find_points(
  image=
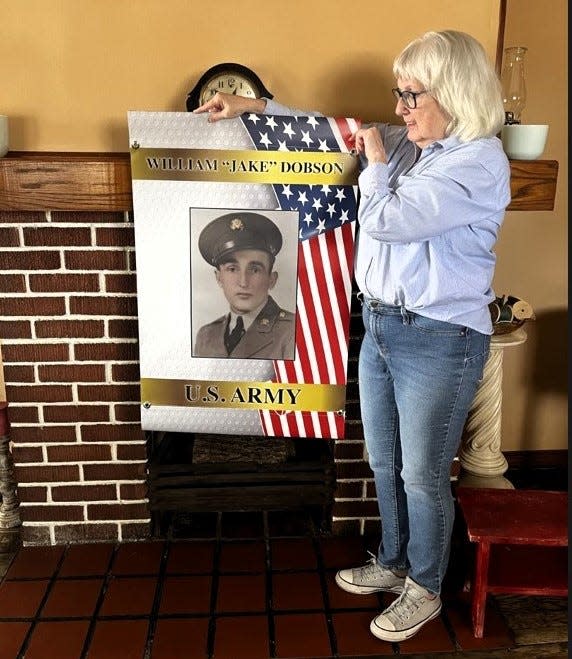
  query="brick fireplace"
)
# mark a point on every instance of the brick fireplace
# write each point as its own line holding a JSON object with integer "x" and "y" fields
{"x": 68, "y": 336}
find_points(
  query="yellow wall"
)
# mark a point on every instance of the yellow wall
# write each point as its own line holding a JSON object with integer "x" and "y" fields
{"x": 70, "y": 70}
{"x": 533, "y": 246}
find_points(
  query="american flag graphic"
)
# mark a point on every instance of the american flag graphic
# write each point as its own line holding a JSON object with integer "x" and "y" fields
{"x": 327, "y": 220}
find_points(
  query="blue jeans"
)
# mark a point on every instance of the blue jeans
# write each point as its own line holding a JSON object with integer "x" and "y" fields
{"x": 417, "y": 380}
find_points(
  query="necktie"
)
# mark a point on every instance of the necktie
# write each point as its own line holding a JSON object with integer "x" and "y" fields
{"x": 231, "y": 339}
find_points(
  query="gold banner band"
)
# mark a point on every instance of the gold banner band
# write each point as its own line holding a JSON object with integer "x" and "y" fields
{"x": 306, "y": 168}
{"x": 244, "y": 395}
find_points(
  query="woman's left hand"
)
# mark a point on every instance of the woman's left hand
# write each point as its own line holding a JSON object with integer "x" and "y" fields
{"x": 368, "y": 142}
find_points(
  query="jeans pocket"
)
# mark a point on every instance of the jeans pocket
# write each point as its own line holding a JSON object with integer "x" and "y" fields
{"x": 432, "y": 326}
{"x": 477, "y": 362}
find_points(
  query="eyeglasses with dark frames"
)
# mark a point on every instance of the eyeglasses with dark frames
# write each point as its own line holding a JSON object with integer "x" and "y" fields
{"x": 409, "y": 98}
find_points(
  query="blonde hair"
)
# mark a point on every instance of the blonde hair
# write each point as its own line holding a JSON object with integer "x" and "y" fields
{"x": 454, "y": 68}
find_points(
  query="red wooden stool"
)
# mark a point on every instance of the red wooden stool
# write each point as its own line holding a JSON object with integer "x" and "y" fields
{"x": 521, "y": 538}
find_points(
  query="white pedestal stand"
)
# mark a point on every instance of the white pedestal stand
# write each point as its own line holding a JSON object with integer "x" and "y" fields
{"x": 482, "y": 462}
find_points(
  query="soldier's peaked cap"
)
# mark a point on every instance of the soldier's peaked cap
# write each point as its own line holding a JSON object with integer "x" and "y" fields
{"x": 239, "y": 230}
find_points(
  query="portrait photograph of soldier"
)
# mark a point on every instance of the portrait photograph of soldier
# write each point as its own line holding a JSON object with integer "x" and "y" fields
{"x": 243, "y": 284}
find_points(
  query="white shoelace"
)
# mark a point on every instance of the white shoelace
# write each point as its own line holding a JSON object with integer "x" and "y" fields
{"x": 404, "y": 606}
{"x": 371, "y": 568}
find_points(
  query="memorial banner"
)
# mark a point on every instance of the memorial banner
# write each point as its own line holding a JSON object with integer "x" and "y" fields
{"x": 244, "y": 237}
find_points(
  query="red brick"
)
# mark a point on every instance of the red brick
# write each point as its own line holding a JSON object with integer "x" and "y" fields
{"x": 27, "y": 454}
{"x": 131, "y": 452}
{"x": 33, "y": 306}
{"x": 36, "y": 535}
{"x": 57, "y": 236}
{"x": 47, "y": 474}
{"x": 15, "y": 329}
{"x": 35, "y": 352}
{"x": 96, "y": 260}
{"x": 9, "y": 237}
{"x": 353, "y": 470}
{"x": 30, "y": 260}
{"x": 75, "y": 413}
{"x": 114, "y": 472}
{"x": 349, "y": 489}
{"x": 84, "y": 493}
{"x": 72, "y": 373}
{"x": 113, "y": 392}
{"x": 349, "y": 450}
{"x": 112, "y": 351}
{"x": 42, "y": 434}
{"x": 352, "y": 410}
{"x": 103, "y": 306}
{"x": 133, "y": 491}
{"x": 138, "y": 531}
{"x": 79, "y": 453}
{"x": 22, "y": 217}
{"x": 64, "y": 282}
{"x": 124, "y": 432}
{"x": 128, "y": 412}
{"x": 32, "y": 494}
{"x": 82, "y": 533}
{"x": 123, "y": 328}
{"x": 81, "y": 329}
{"x": 39, "y": 394}
{"x": 20, "y": 414}
{"x": 122, "y": 236}
{"x": 89, "y": 217}
{"x": 121, "y": 283}
{"x": 19, "y": 373}
{"x": 118, "y": 511}
{"x": 13, "y": 283}
{"x": 125, "y": 372}
{"x": 370, "y": 490}
{"x": 49, "y": 513}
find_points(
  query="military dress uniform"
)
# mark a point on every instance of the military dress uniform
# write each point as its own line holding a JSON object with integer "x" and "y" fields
{"x": 272, "y": 334}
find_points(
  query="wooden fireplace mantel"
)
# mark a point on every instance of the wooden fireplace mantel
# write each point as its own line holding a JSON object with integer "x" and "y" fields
{"x": 31, "y": 181}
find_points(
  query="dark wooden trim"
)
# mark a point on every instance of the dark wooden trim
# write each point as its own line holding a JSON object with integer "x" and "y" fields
{"x": 31, "y": 181}
{"x": 533, "y": 185}
{"x": 500, "y": 37}
{"x": 46, "y": 181}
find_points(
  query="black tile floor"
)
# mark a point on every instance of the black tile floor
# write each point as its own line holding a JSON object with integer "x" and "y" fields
{"x": 238, "y": 586}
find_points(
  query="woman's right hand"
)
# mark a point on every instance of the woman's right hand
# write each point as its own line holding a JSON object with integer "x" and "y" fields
{"x": 227, "y": 106}
{"x": 368, "y": 142}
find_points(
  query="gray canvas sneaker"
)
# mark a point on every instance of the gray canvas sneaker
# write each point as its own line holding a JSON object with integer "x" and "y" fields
{"x": 369, "y": 578}
{"x": 407, "y": 614}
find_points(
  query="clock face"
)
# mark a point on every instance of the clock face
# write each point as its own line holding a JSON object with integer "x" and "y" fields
{"x": 230, "y": 78}
{"x": 229, "y": 83}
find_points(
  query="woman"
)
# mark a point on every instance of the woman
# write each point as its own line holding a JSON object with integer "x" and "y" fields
{"x": 433, "y": 196}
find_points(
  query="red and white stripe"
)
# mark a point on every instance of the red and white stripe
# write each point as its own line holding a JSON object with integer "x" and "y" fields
{"x": 322, "y": 332}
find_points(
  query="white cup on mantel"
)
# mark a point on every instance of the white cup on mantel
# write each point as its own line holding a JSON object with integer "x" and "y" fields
{"x": 3, "y": 135}
{"x": 524, "y": 141}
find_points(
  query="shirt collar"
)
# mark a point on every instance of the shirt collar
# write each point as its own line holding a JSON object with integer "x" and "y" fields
{"x": 247, "y": 318}
{"x": 444, "y": 143}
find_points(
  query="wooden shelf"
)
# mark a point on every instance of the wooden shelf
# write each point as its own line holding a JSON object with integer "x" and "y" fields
{"x": 43, "y": 181}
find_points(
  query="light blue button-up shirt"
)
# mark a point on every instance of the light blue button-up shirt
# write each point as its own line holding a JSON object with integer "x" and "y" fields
{"x": 428, "y": 222}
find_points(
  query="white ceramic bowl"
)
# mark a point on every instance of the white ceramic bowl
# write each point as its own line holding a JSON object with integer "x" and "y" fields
{"x": 524, "y": 141}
